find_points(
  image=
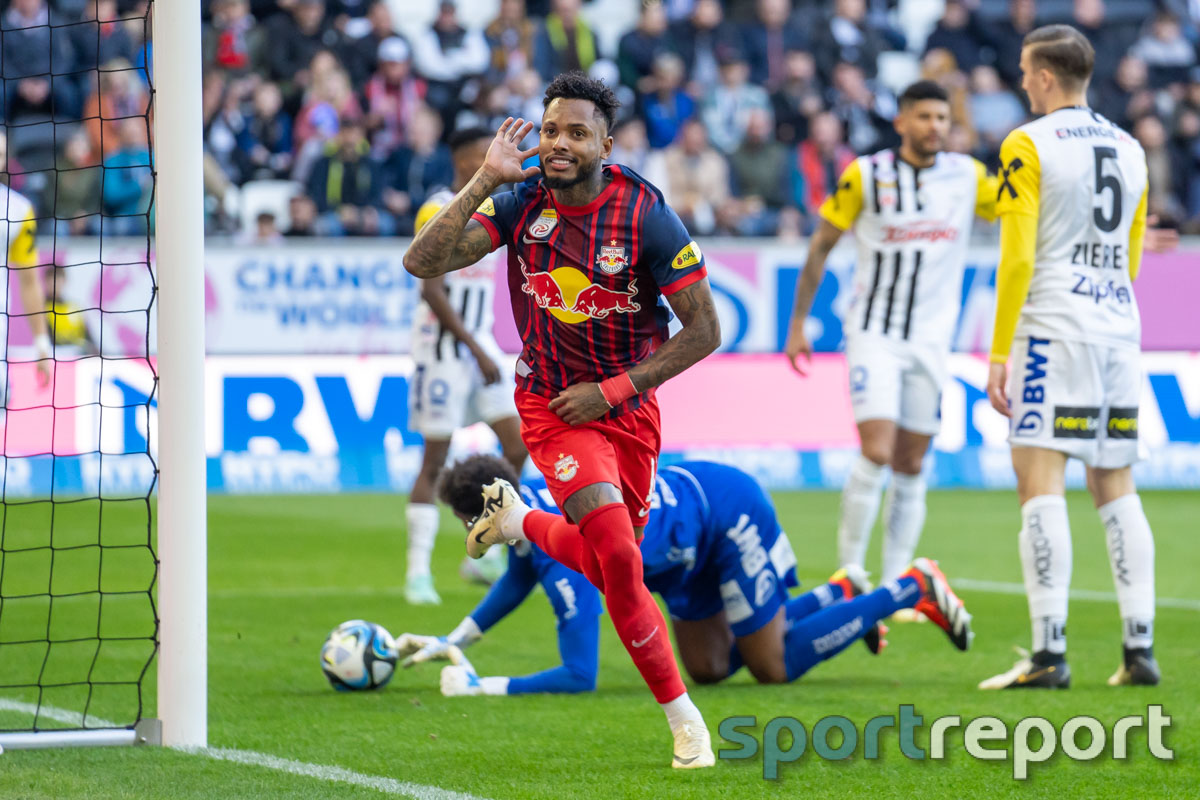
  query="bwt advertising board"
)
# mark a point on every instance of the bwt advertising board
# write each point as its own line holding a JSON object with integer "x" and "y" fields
{"x": 334, "y": 423}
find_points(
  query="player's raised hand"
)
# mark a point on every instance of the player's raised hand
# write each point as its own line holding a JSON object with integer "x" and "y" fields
{"x": 997, "y": 388}
{"x": 505, "y": 156}
{"x": 797, "y": 344}
{"x": 583, "y": 402}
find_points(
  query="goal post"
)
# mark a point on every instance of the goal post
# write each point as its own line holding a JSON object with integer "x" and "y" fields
{"x": 182, "y": 520}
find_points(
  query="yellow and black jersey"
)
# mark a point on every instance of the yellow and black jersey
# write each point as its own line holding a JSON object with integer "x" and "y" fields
{"x": 912, "y": 226}
{"x": 20, "y": 247}
{"x": 1072, "y": 202}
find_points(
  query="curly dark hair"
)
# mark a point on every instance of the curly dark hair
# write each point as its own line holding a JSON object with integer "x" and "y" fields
{"x": 575, "y": 85}
{"x": 467, "y": 136}
{"x": 461, "y": 486}
{"x": 923, "y": 90}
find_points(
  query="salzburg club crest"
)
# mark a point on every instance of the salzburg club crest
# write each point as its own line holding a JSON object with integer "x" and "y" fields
{"x": 612, "y": 259}
{"x": 541, "y": 227}
{"x": 565, "y": 468}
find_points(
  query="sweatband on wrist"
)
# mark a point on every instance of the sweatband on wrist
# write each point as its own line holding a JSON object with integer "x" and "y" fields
{"x": 466, "y": 634}
{"x": 617, "y": 389}
{"x": 41, "y": 343}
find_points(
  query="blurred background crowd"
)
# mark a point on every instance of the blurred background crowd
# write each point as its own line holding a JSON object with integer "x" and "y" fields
{"x": 329, "y": 117}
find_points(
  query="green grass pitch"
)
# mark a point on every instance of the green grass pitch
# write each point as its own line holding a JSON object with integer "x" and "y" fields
{"x": 283, "y": 571}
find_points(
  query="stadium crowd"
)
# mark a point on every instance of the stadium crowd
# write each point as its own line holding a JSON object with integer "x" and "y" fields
{"x": 744, "y": 111}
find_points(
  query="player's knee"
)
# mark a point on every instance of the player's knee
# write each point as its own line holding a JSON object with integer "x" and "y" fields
{"x": 579, "y": 681}
{"x": 908, "y": 463}
{"x": 769, "y": 672}
{"x": 706, "y": 673}
{"x": 878, "y": 452}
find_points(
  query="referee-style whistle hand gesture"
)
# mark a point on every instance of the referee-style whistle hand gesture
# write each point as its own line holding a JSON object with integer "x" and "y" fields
{"x": 505, "y": 156}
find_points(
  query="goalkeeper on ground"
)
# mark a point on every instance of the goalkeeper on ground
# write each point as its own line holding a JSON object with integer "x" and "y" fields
{"x": 714, "y": 551}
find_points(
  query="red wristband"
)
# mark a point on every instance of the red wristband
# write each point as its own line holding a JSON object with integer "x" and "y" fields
{"x": 617, "y": 389}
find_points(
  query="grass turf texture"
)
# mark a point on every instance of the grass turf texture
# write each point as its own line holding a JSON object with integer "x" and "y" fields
{"x": 286, "y": 570}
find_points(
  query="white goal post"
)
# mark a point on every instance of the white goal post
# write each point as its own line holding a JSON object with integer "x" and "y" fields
{"x": 182, "y": 697}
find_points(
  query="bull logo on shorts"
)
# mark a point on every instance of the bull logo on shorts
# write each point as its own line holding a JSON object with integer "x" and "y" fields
{"x": 565, "y": 468}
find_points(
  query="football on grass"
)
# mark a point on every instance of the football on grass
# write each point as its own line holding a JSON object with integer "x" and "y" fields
{"x": 358, "y": 655}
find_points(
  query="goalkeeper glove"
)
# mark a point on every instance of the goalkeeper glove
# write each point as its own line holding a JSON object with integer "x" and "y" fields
{"x": 436, "y": 648}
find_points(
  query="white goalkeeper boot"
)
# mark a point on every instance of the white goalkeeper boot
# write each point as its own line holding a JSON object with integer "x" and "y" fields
{"x": 693, "y": 746}
{"x": 503, "y": 514}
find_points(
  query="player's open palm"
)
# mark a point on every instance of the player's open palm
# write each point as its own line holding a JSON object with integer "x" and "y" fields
{"x": 505, "y": 156}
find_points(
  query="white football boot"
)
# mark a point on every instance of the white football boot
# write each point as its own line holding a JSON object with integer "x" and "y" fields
{"x": 693, "y": 746}
{"x": 500, "y": 501}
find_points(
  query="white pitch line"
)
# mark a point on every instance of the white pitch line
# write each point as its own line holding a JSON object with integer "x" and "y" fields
{"x": 417, "y": 791}
{"x": 1001, "y": 587}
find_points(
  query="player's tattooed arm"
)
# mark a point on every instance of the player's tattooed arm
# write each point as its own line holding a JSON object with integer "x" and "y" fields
{"x": 451, "y": 240}
{"x": 701, "y": 335}
{"x": 819, "y": 247}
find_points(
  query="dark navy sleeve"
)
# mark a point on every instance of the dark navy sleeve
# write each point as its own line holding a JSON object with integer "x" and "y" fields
{"x": 577, "y": 606}
{"x": 506, "y": 593}
{"x": 498, "y": 214}
{"x": 668, "y": 251}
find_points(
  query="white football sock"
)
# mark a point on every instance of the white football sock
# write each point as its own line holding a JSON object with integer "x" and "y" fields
{"x": 681, "y": 710}
{"x": 860, "y": 506}
{"x": 1045, "y": 543}
{"x": 422, "y": 530}
{"x": 904, "y": 517}
{"x": 494, "y": 685}
{"x": 1131, "y": 555}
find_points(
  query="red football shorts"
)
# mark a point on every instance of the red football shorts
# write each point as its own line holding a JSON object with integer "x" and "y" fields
{"x": 621, "y": 451}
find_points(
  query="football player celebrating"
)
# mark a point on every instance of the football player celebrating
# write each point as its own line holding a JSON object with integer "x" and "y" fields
{"x": 593, "y": 250}
{"x": 715, "y": 553}
{"x": 457, "y": 379}
{"x": 912, "y": 210}
{"x": 1072, "y": 217}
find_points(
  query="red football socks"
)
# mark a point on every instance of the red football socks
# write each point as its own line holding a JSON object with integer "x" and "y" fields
{"x": 635, "y": 615}
{"x": 563, "y": 542}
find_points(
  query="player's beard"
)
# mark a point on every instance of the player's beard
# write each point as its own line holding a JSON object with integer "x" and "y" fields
{"x": 583, "y": 171}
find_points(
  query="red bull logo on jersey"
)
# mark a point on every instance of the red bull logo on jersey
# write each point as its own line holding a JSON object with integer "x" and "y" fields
{"x": 540, "y": 228}
{"x": 566, "y": 467}
{"x": 612, "y": 259}
{"x": 571, "y": 296}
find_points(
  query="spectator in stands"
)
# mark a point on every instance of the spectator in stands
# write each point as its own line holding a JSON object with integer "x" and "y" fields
{"x": 524, "y": 100}
{"x": 940, "y": 67}
{"x": 416, "y": 169}
{"x": 118, "y": 94}
{"x": 225, "y": 132}
{"x": 232, "y": 42}
{"x": 447, "y": 56}
{"x": 329, "y": 99}
{"x": 727, "y": 105}
{"x": 361, "y": 54}
{"x": 759, "y": 168}
{"x": 565, "y": 43}
{"x": 667, "y": 105}
{"x": 1185, "y": 150}
{"x": 34, "y": 43}
{"x": 631, "y": 148}
{"x": 1150, "y": 132}
{"x": 265, "y": 232}
{"x": 77, "y": 193}
{"x": 302, "y": 212}
{"x": 994, "y": 110}
{"x": 345, "y": 184}
{"x": 798, "y": 98}
{"x": 293, "y": 40}
{"x": 769, "y": 38}
{"x": 269, "y": 129}
{"x": 1166, "y": 52}
{"x": 697, "y": 179}
{"x": 697, "y": 40}
{"x": 393, "y": 96}
{"x": 511, "y": 36}
{"x": 864, "y": 110}
{"x": 127, "y": 181}
{"x": 955, "y": 34}
{"x": 640, "y": 47}
{"x": 1125, "y": 96}
{"x": 1110, "y": 41}
{"x": 848, "y": 39}
{"x": 819, "y": 161}
{"x": 1003, "y": 39}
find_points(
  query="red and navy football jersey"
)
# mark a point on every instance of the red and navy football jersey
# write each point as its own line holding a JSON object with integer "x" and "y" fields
{"x": 587, "y": 282}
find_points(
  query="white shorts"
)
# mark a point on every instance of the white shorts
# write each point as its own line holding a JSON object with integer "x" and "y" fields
{"x": 1077, "y": 398}
{"x": 897, "y": 380}
{"x": 447, "y": 392}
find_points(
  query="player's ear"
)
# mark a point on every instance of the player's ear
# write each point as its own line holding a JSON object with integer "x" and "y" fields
{"x": 606, "y": 147}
